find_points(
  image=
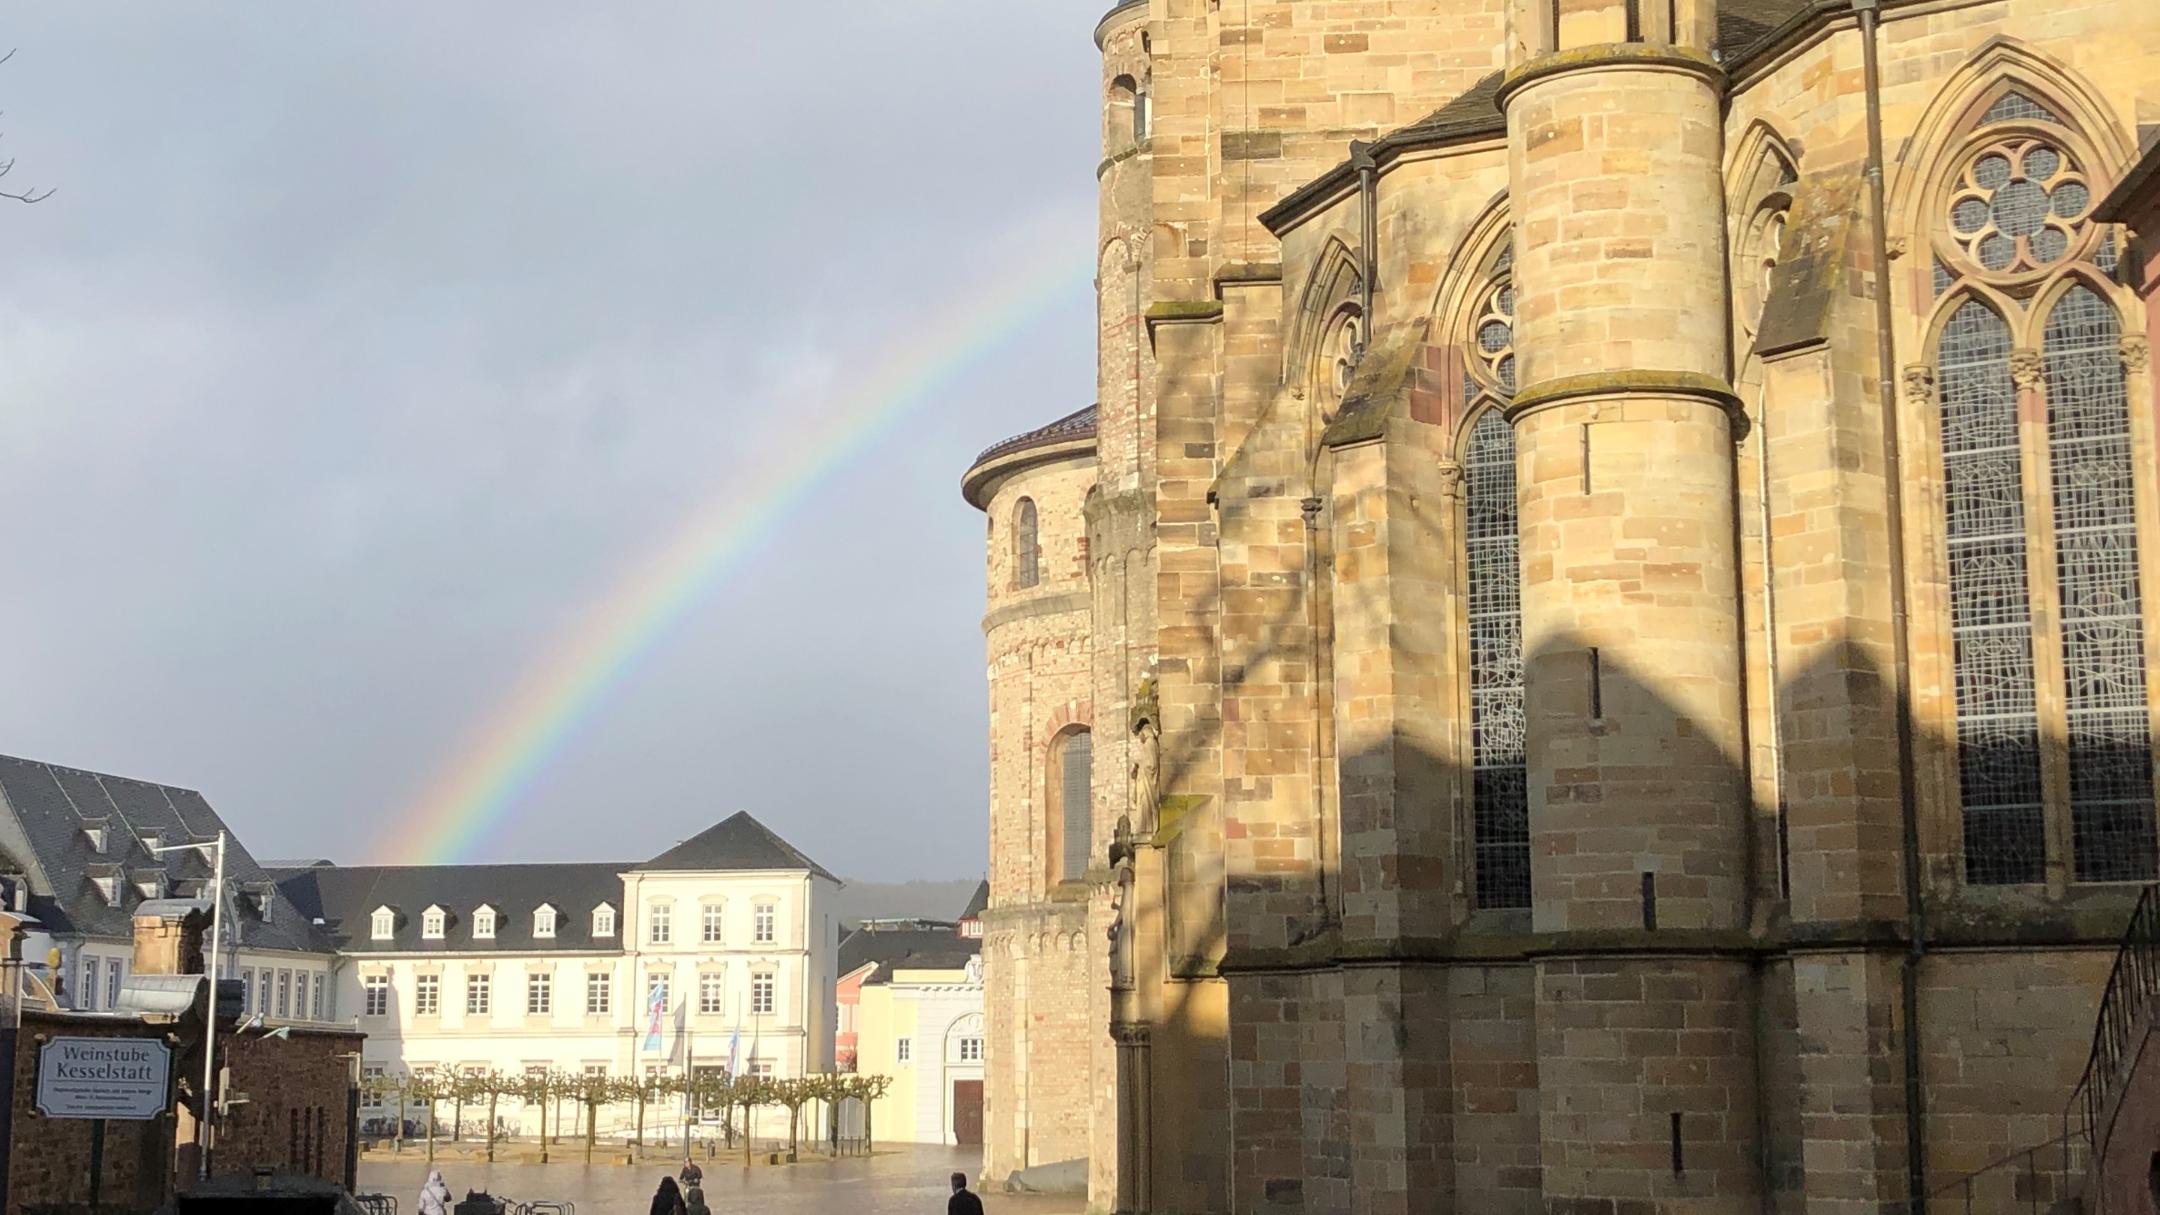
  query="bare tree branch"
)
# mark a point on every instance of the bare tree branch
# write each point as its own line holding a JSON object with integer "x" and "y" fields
{"x": 33, "y": 194}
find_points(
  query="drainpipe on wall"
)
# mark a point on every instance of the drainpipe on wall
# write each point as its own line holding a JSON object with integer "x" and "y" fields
{"x": 1869, "y": 14}
{"x": 1368, "y": 176}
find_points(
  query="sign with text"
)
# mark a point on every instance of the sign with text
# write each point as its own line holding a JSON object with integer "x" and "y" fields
{"x": 128, "y": 1078}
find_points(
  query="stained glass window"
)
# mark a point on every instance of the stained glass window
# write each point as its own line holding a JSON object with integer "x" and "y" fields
{"x": 2103, "y": 638}
{"x": 2014, "y": 106}
{"x": 1027, "y": 549}
{"x": 1499, "y": 790}
{"x": 1998, "y": 730}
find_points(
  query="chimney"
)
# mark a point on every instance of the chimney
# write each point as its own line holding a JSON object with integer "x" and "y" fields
{"x": 169, "y": 937}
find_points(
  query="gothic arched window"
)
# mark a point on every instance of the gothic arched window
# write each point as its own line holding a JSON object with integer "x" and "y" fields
{"x": 2040, "y": 523}
{"x": 1027, "y": 550}
{"x": 1500, "y": 808}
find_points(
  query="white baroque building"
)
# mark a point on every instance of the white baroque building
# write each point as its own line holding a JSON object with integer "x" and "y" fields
{"x": 523, "y": 967}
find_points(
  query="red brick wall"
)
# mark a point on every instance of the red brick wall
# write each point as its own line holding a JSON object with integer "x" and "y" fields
{"x": 294, "y": 1119}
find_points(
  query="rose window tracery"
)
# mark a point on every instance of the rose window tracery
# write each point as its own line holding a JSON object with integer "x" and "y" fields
{"x": 2019, "y": 206}
{"x": 1495, "y": 336}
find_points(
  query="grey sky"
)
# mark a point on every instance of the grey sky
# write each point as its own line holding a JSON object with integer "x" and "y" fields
{"x": 363, "y": 346}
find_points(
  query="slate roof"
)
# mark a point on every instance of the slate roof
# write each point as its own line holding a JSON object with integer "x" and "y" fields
{"x": 1078, "y": 424}
{"x": 739, "y": 842}
{"x": 979, "y": 903}
{"x": 346, "y": 898}
{"x": 922, "y": 945}
{"x": 46, "y": 811}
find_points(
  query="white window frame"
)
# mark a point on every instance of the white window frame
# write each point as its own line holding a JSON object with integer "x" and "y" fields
{"x": 483, "y": 924}
{"x": 764, "y": 923}
{"x": 427, "y": 995}
{"x": 284, "y": 994}
{"x": 382, "y": 924}
{"x": 479, "y": 993}
{"x": 660, "y": 924}
{"x": 539, "y": 994}
{"x": 764, "y": 994}
{"x": 321, "y": 981}
{"x": 971, "y": 1050}
{"x": 713, "y": 923}
{"x": 599, "y": 993}
{"x": 603, "y": 921}
{"x": 903, "y": 1050}
{"x": 432, "y": 922}
{"x": 374, "y": 995}
{"x": 544, "y": 922}
{"x": 711, "y": 993}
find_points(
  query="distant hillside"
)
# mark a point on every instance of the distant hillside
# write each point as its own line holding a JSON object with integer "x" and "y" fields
{"x": 861, "y": 901}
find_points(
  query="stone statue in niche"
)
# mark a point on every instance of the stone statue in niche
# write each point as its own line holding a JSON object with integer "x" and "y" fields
{"x": 1120, "y": 933}
{"x": 1147, "y": 757}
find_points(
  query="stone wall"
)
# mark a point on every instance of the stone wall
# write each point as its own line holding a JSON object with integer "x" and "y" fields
{"x": 294, "y": 1120}
{"x": 49, "y": 1158}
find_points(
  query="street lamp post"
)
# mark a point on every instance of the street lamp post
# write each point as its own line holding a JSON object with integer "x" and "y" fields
{"x": 217, "y": 923}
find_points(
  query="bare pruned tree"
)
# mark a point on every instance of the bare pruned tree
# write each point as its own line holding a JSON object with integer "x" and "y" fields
{"x": 32, "y": 195}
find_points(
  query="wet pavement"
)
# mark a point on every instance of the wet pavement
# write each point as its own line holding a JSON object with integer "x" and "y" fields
{"x": 906, "y": 1181}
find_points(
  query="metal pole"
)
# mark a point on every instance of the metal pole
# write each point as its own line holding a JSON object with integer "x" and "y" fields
{"x": 217, "y": 922}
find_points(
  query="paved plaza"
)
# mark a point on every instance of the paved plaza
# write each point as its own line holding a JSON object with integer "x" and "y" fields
{"x": 904, "y": 1181}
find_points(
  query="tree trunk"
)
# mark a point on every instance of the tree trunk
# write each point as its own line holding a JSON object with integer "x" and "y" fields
{"x": 397, "y": 1134}
{"x": 431, "y": 1130}
{"x": 746, "y": 1124}
{"x": 867, "y": 1106}
{"x": 794, "y": 1117}
{"x": 592, "y": 1127}
{"x": 640, "y": 1139}
{"x": 491, "y": 1127}
{"x": 457, "y": 1132}
{"x": 544, "y": 1103}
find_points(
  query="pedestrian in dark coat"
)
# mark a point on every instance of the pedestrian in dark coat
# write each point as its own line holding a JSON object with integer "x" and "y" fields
{"x": 962, "y": 1201}
{"x": 667, "y": 1200}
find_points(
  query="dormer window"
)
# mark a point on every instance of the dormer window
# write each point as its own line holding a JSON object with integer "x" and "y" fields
{"x": 151, "y": 840}
{"x": 110, "y": 888}
{"x": 150, "y": 886}
{"x": 431, "y": 924}
{"x": 483, "y": 924}
{"x": 544, "y": 921}
{"x": 96, "y": 836}
{"x": 384, "y": 924}
{"x": 603, "y": 921}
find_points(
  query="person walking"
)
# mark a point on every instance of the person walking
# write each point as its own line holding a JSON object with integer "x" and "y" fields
{"x": 963, "y": 1201}
{"x": 691, "y": 1175}
{"x": 667, "y": 1200}
{"x": 695, "y": 1205}
{"x": 434, "y": 1196}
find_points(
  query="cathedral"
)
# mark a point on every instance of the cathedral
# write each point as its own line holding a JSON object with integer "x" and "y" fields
{"x": 1589, "y": 655}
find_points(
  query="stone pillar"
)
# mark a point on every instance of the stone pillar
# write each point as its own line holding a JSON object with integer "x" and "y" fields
{"x": 1630, "y": 607}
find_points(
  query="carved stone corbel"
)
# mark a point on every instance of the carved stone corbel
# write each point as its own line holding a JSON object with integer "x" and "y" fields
{"x": 1451, "y": 479}
{"x": 1920, "y": 384}
{"x": 2136, "y": 353}
{"x": 2028, "y": 369}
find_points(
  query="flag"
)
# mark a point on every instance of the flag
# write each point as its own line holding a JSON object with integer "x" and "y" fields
{"x": 680, "y": 1055}
{"x": 655, "y": 1005}
{"x": 734, "y": 1046}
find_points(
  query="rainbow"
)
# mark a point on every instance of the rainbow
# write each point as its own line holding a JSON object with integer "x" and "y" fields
{"x": 505, "y": 756}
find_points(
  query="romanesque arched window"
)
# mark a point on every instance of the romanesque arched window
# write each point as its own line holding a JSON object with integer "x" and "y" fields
{"x": 1071, "y": 775}
{"x": 1027, "y": 550}
{"x": 1500, "y": 814}
{"x": 2039, "y": 524}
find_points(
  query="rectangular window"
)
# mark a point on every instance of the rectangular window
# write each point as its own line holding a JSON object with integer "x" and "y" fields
{"x": 713, "y": 913}
{"x": 265, "y": 988}
{"x": 656, "y": 982}
{"x": 427, "y": 995}
{"x": 971, "y": 1050}
{"x": 662, "y": 925}
{"x": 763, "y": 931}
{"x": 539, "y": 994}
{"x": 112, "y": 983}
{"x": 761, "y": 995}
{"x": 87, "y": 998}
{"x": 904, "y": 1050}
{"x": 371, "y": 1083}
{"x": 299, "y": 1001}
{"x": 599, "y": 992}
{"x": 711, "y": 993}
{"x": 761, "y": 1067}
{"x": 321, "y": 981}
{"x": 284, "y": 993}
{"x": 479, "y": 994}
{"x": 376, "y": 989}
{"x": 247, "y": 992}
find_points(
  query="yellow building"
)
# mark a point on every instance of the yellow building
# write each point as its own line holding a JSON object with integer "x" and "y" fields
{"x": 917, "y": 1017}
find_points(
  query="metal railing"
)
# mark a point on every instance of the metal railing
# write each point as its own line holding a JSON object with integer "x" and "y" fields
{"x": 2033, "y": 1179}
{"x": 2131, "y": 989}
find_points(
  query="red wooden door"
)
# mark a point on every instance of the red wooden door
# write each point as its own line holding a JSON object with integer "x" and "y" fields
{"x": 967, "y": 1114}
